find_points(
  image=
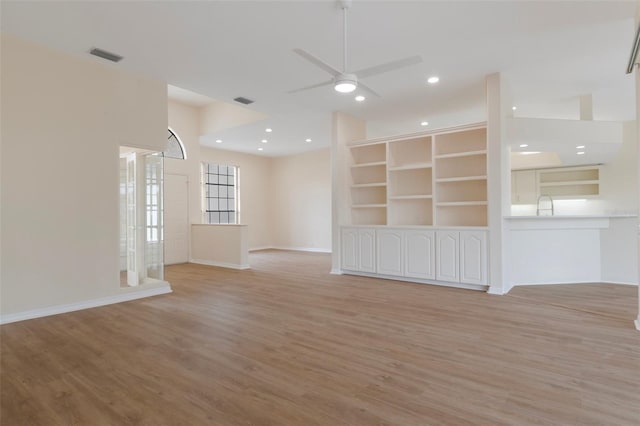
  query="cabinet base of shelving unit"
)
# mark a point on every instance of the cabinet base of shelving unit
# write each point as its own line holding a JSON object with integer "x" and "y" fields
{"x": 465, "y": 286}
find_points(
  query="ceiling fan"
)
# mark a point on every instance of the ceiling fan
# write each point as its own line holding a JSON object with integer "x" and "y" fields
{"x": 346, "y": 82}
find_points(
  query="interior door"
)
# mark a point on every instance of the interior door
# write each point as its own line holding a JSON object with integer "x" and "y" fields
{"x": 132, "y": 261}
{"x": 176, "y": 219}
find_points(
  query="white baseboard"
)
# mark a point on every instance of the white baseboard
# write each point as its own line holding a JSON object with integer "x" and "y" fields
{"x": 309, "y": 249}
{"x": 312, "y": 250}
{"x": 496, "y": 291}
{"x": 476, "y": 287}
{"x": 575, "y": 282}
{"x": 336, "y": 272}
{"x": 91, "y": 303}
{"x": 220, "y": 264}
{"x": 637, "y": 323}
{"x": 621, "y": 283}
{"x": 260, "y": 248}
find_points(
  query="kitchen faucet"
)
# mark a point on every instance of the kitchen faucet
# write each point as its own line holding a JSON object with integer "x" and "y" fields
{"x": 543, "y": 197}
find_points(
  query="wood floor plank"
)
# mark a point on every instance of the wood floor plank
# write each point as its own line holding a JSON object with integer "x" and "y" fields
{"x": 287, "y": 343}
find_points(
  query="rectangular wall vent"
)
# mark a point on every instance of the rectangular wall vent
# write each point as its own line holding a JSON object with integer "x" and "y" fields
{"x": 106, "y": 55}
{"x": 243, "y": 100}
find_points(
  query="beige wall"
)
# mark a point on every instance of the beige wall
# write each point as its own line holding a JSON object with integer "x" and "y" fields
{"x": 285, "y": 201}
{"x": 301, "y": 203}
{"x": 255, "y": 191}
{"x": 221, "y": 115}
{"x": 184, "y": 121}
{"x": 619, "y": 177}
{"x": 63, "y": 119}
{"x": 220, "y": 245}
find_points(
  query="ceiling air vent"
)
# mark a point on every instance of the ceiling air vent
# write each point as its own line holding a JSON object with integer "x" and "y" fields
{"x": 243, "y": 100}
{"x": 106, "y": 55}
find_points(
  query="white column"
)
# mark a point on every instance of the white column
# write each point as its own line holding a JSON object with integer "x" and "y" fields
{"x": 586, "y": 107}
{"x": 498, "y": 181}
{"x": 346, "y": 129}
{"x": 637, "y": 73}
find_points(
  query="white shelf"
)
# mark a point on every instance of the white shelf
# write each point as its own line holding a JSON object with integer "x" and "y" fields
{"x": 571, "y": 183}
{"x": 461, "y": 178}
{"x": 437, "y": 179}
{"x": 411, "y": 167}
{"x": 462, "y": 154}
{"x": 462, "y": 203}
{"x": 368, "y": 206}
{"x": 375, "y": 163}
{"x": 369, "y": 185}
{"x": 410, "y": 197}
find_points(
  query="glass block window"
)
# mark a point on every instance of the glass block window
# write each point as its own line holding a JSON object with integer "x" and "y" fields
{"x": 220, "y": 193}
{"x": 174, "y": 147}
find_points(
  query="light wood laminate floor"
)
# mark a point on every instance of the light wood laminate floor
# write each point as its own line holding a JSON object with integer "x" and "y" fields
{"x": 285, "y": 343}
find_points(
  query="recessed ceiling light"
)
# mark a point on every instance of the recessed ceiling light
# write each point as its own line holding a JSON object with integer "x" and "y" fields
{"x": 307, "y": 140}
{"x": 580, "y": 152}
{"x": 424, "y": 123}
{"x": 433, "y": 79}
{"x": 360, "y": 98}
{"x": 530, "y": 152}
{"x": 580, "y": 147}
{"x": 268, "y": 130}
{"x": 264, "y": 141}
{"x": 514, "y": 108}
{"x": 523, "y": 145}
{"x": 260, "y": 149}
{"x": 218, "y": 141}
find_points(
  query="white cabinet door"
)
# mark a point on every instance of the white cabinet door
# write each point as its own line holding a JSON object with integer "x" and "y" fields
{"x": 447, "y": 256}
{"x": 367, "y": 250}
{"x": 523, "y": 187}
{"x": 473, "y": 257}
{"x": 349, "y": 249}
{"x": 419, "y": 254}
{"x": 389, "y": 252}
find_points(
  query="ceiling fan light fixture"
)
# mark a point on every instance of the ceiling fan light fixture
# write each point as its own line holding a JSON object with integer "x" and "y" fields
{"x": 345, "y": 83}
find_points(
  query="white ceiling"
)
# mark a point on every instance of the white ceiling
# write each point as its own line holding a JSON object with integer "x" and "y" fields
{"x": 551, "y": 52}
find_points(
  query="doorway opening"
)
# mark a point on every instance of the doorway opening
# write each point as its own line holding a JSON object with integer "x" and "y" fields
{"x": 141, "y": 225}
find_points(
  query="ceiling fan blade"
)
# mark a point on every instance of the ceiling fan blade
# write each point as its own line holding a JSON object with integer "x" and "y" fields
{"x": 313, "y": 86}
{"x": 389, "y": 66}
{"x": 317, "y": 62}
{"x": 361, "y": 85}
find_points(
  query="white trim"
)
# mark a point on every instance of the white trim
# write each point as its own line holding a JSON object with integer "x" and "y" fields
{"x": 495, "y": 290}
{"x": 477, "y": 287}
{"x": 430, "y": 132}
{"x": 336, "y": 272}
{"x": 637, "y": 323}
{"x": 620, "y": 283}
{"x": 219, "y": 264}
{"x": 576, "y": 282}
{"x": 260, "y": 248}
{"x": 308, "y": 249}
{"x": 184, "y": 150}
{"x": 87, "y": 304}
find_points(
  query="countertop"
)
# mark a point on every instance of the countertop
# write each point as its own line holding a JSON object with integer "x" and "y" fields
{"x": 572, "y": 217}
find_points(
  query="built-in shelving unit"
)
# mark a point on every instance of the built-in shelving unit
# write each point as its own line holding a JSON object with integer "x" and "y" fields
{"x": 436, "y": 179}
{"x": 461, "y": 178}
{"x": 369, "y": 184}
{"x": 570, "y": 182}
{"x": 420, "y": 205}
